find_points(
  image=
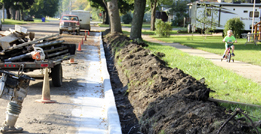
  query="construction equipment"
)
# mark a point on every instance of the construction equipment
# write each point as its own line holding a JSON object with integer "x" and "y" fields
{"x": 17, "y": 48}
{"x": 14, "y": 88}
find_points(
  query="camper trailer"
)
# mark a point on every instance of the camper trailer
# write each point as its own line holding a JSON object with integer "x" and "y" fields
{"x": 221, "y": 12}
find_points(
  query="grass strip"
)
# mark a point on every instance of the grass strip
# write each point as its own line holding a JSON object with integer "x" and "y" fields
{"x": 226, "y": 84}
{"x": 248, "y": 53}
{"x": 21, "y": 22}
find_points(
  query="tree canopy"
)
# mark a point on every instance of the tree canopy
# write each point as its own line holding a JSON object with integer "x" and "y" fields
{"x": 44, "y": 8}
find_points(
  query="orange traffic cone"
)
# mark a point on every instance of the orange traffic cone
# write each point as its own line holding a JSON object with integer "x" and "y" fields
{"x": 79, "y": 47}
{"x": 88, "y": 32}
{"x": 72, "y": 61}
{"x": 46, "y": 89}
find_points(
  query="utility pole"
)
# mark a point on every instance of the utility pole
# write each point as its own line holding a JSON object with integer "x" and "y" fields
{"x": 253, "y": 17}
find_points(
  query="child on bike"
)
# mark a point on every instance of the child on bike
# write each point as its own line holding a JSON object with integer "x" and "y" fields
{"x": 229, "y": 40}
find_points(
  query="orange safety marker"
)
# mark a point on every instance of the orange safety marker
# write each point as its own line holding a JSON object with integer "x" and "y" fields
{"x": 79, "y": 47}
{"x": 72, "y": 61}
{"x": 46, "y": 89}
{"x": 85, "y": 35}
{"x": 89, "y": 32}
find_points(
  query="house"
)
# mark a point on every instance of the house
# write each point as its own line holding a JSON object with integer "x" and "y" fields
{"x": 220, "y": 12}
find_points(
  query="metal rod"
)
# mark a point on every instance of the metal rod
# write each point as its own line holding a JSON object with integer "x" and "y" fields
{"x": 57, "y": 53}
{"x": 55, "y": 49}
{"x": 49, "y": 43}
{"x": 28, "y": 43}
{"x": 27, "y": 55}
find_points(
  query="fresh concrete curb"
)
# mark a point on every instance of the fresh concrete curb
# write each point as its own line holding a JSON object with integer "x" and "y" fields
{"x": 113, "y": 120}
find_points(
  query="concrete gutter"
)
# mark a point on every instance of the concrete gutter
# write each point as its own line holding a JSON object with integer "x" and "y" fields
{"x": 114, "y": 126}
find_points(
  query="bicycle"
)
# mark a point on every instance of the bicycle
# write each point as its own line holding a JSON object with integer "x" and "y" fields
{"x": 228, "y": 55}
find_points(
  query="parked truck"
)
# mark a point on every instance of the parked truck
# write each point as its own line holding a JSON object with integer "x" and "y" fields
{"x": 85, "y": 17}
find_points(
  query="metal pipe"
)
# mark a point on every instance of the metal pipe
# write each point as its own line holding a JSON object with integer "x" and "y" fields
{"x": 28, "y": 43}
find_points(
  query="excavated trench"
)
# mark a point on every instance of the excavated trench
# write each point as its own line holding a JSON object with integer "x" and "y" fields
{"x": 153, "y": 98}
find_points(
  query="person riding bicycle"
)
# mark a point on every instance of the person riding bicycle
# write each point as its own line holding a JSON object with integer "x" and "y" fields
{"x": 229, "y": 40}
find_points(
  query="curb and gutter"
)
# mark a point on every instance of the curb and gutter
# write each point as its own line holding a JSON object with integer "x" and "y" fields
{"x": 114, "y": 125}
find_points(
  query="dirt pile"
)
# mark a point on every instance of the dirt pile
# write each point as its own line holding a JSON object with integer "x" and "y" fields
{"x": 163, "y": 99}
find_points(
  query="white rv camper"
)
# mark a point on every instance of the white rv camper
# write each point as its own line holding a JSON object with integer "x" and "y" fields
{"x": 224, "y": 12}
{"x": 84, "y": 17}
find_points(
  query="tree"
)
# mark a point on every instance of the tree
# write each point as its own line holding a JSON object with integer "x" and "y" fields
{"x": 17, "y": 5}
{"x": 153, "y": 6}
{"x": 136, "y": 27}
{"x": 44, "y": 8}
{"x": 99, "y": 4}
{"x": 206, "y": 18}
{"x": 115, "y": 21}
{"x": 236, "y": 25}
{"x": 179, "y": 7}
{"x": 123, "y": 5}
{"x": 81, "y": 5}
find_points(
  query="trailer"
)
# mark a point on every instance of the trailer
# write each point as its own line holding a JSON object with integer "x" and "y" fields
{"x": 18, "y": 52}
{"x": 221, "y": 12}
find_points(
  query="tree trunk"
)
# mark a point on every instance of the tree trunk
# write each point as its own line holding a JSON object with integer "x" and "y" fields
{"x": 8, "y": 13}
{"x": 136, "y": 25}
{"x": 105, "y": 17}
{"x": 12, "y": 13}
{"x": 3, "y": 13}
{"x": 115, "y": 21}
{"x": 152, "y": 18}
{"x": 21, "y": 14}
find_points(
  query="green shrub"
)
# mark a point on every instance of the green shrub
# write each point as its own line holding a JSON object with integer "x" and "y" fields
{"x": 236, "y": 25}
{"x": 163, "y": 28}
{"x": 182, "y": 30}
{"x": 126, "y": 18}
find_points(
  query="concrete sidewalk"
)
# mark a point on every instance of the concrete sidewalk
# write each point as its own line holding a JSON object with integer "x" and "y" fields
{"x": 96, "y": 111}
{"x": 246, "y": 70}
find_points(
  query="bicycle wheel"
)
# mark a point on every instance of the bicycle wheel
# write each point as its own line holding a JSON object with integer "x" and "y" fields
{"x": 229, "y": 57}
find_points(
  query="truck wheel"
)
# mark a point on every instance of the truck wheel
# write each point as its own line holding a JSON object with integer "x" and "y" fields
{"x": 57, "y": 75}
{"x": 60, "y": 31}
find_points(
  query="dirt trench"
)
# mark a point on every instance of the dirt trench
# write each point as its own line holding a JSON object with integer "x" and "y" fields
{"x": 152, "y": 98}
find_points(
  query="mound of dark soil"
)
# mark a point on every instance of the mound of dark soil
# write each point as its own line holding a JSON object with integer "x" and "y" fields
{"x": 152, "y": 98}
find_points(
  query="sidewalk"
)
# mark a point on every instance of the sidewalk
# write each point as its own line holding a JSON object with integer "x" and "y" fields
{"x": 246, "y": 70}
{"x": 96, "y": 107}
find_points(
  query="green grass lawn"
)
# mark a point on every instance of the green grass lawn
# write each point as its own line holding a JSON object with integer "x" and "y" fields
{"x": 18, "y": 22}
{"x": 247, "y": 53}
{"x": 226, "y": 84}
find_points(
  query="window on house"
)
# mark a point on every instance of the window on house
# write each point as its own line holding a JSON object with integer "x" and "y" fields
{"x": 208, "y": 12}
{"x": 245, "y": 11}
{"x": 255, "y": 15}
